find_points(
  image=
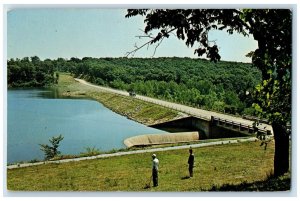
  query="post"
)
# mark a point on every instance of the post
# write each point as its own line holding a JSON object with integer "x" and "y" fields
{"x": 210, "y": 126}
{"x": 212, "y": 120}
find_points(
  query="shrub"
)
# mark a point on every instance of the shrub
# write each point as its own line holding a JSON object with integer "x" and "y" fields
{"x": 51, "y": 151}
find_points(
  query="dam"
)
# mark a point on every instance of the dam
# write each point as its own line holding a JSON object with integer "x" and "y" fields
{"x": 198, "y": 129}
{"x": 208, "y": 124}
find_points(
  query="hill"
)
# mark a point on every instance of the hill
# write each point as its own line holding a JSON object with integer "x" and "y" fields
{"x": 222, "y": 86}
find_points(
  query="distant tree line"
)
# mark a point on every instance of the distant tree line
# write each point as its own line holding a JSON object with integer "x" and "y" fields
{"x": 30, "y": 72}
{"x": 221, "y": 86}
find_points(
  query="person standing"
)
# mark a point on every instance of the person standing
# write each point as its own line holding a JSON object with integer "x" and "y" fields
{"x": 155, "y": 163}
{"x": 191, "y": 162}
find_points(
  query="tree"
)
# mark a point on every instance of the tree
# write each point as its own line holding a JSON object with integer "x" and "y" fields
{"x": 274, "y": 58}
{"x": 35, "y": 60}
{"x": 56, "y": 77}
{"x": 30, "y": 72}
{"x": 271, "y": 28}
{"x": 51, "y": 151}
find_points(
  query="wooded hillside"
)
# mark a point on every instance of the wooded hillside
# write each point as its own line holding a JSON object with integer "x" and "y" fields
{"x": 200, "y": 83}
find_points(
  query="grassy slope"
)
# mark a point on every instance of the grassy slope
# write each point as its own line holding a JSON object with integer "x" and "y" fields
{"x": 243, "y": 166}
{"x": 143, "y": 112}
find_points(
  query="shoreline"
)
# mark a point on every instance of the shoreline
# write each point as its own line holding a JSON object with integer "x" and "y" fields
{"x": 71, "y": 89}
{"x": 68, "y": 87}
{"x": 129, "y": 107}
{"x": 139, "y": 151}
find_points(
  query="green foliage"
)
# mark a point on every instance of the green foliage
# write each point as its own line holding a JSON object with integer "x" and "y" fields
{"x": 34, "y": 160}
{"x": 30, "y": 72}
{"x": 90, "y": 152}
{"x": 191, "y": 26}
{"x": 52, "y": 150}
{"x": 56, "y": 77}
{"x": 273, "y": 100}
{"x": 271, "y": 28}
{"x": 195, "y": 82}
{"x": 273, "y": 31}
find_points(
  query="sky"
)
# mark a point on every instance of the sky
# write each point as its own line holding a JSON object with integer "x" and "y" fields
{"x": 86, "y": 32}
{"x": 33, "y": 34}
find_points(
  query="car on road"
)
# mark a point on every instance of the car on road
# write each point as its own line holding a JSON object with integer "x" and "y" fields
{"x": 132, "y": 93}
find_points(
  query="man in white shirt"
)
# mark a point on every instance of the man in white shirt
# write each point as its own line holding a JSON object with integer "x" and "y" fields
{"x": 155, "y": 163}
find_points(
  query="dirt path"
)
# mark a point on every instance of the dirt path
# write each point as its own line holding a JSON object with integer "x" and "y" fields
{"x": 154, "y": 150}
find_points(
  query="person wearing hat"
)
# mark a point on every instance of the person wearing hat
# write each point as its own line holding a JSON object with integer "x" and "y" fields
{"x": 155, "y": 162}
{"x": 191, "y": 162}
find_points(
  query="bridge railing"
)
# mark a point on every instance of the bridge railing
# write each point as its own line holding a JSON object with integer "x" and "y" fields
{"x": 220, "y": 121}
{"x": 172, "y": 106}
{"x": 240, "y": 126}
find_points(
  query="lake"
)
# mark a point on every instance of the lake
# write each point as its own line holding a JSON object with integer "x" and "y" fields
{"x": 34, "y": 116}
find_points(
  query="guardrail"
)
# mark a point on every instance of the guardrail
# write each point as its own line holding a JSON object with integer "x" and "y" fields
{"x": 172, "y": 106}
{"x": 239, "y": 126}
{"x": 220, "y": 121}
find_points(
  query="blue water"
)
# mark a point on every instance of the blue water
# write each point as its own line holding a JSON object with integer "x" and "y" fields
{"x": 34, "y": 116}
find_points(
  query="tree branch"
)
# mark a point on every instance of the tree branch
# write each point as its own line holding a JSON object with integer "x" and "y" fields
{"x": 158, "y": 46}
{"x": 137, "y": 48}
{"x": 148, "y": 42}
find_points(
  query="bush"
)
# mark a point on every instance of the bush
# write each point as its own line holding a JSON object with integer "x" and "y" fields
{"x": 51, "y": 151}
{"x": 90, "y": 152}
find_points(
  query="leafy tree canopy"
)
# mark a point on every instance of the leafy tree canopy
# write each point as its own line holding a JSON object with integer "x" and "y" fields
{"x": 271, "y": 28}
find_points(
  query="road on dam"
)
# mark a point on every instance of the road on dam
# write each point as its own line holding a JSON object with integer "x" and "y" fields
{"x": 203, "y": 114}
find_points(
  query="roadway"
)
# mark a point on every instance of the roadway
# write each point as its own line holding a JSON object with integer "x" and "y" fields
{"x": 203, "y": 114}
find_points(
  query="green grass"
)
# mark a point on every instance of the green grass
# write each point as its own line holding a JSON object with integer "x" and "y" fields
{"x": 140, "y": 111}
{"x": 232, "y": 167}
{"x": 93, "y": 151}
{"x": 237, "y": 166}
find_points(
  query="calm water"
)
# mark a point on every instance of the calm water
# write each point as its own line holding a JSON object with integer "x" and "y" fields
{"x": 34, "y": 116}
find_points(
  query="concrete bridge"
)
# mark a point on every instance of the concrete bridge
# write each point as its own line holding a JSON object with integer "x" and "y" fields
{"x": 215, "y": 128}
{"x": 209, "y": 124}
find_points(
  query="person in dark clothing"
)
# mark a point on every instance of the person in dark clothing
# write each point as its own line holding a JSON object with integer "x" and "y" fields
{"x": 191, "y": 162}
